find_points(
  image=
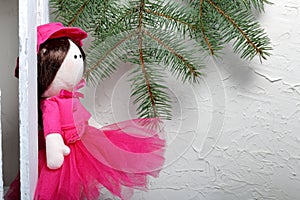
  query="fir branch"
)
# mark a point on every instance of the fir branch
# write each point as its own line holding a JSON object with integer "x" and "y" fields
{"x": 142, "y": 63}
{"x": 159, "y": 35}
{"x": 149, "y": 89}
{"x": 80, "y": 10}
{"x": 112, "y": 23}
{"x": 256, "y": 4}
{"x": 108, "y": 52}
{"x": 203, "y": 29}
{"x": 140, "y": 92}
{"x": 207, "y": 32}
{"x": 76, "y": 12}
{"x": 247, "y": 41}
{"x": 105, "y": 55}
{"x": 175, "y": 16}
{"x": 169, "y": 17}
{"x": 187, "y": 67}
{"x": 244, "y": 34}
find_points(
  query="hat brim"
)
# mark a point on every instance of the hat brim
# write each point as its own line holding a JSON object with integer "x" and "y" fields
{"x": 76, "y": 34}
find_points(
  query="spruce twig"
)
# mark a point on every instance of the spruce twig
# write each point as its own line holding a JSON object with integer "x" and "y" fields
{"x": 154, "y": 35}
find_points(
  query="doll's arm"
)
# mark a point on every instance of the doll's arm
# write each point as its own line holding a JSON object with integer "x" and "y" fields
{"x": 55, "y": 146}
{"x": 55, "y": 150}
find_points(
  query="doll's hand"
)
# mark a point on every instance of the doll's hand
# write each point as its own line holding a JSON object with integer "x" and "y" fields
{"x": 55, "y": 150}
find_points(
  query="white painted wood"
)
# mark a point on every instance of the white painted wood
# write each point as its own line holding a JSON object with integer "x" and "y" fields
{"x": 31, "y": 14}
{"x": 1, "y": 164}
{"x": 42, "y": 11}
{"x": 28, "y": 97}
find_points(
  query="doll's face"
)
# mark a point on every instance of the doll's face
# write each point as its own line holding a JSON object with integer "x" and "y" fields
{"x": 69, "y": 73}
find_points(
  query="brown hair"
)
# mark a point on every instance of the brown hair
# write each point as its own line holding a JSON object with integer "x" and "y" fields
{"x": 50, "y": 57}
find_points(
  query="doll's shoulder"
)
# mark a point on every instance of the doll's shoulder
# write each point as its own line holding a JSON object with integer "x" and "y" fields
{"x": 48, "y": 103}
{"x": 53, "y": 102}
{"x": 50, "y": 100}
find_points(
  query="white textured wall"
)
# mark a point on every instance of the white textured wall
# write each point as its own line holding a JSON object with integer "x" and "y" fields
{"x": 236, "y": 135}
{"x": 9, "y": 86}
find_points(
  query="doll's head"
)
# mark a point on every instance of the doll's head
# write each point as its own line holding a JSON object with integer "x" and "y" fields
{"x": 60, "y": 58}
{"x": 60, "y": 66}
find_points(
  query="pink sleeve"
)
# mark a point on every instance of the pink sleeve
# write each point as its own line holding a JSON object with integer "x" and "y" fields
{"x": 51, "y": 117}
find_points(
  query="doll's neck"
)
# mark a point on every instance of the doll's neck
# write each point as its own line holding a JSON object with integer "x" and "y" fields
{"x": 57, "y": 86}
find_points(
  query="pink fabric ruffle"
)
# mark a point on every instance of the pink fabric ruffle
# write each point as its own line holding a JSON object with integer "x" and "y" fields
{"x": 119, "y": 157}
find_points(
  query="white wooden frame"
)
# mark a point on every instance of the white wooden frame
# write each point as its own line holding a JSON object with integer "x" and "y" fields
{"x": 31, "y": 14}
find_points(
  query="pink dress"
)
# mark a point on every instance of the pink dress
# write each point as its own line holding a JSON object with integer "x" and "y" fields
{"x": 119, "y": 156}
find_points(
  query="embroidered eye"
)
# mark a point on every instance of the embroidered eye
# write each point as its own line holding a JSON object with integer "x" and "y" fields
{"x": 80, "y": 56}
{"x": 75, "y": 56}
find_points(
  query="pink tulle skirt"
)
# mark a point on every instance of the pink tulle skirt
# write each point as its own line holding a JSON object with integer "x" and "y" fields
{"x": 118, "y": 157}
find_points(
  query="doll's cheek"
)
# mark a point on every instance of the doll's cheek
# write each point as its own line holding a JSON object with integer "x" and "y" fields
{"x": 78, "y": 67}
{"x": 79, "y": 72}
{"x": 78, "y": 63}
{"x": 74, "y": 66}
{"x": 71, "y": 71}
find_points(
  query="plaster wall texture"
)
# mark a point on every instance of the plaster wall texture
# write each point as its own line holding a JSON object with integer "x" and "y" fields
{"x": 9, "y": 86}
{"x": 234, "y": 136}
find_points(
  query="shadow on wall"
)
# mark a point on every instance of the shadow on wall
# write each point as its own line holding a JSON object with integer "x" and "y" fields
{"x": 9, "y": 88}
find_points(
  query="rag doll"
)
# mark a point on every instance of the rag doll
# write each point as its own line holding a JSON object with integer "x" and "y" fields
{"x": 78, "y": 159}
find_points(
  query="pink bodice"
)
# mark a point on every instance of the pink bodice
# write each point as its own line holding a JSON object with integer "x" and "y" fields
{"x": 65, "y": 114}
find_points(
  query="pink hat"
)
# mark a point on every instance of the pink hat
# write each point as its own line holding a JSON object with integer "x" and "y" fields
{"x": 56, "y": 30}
